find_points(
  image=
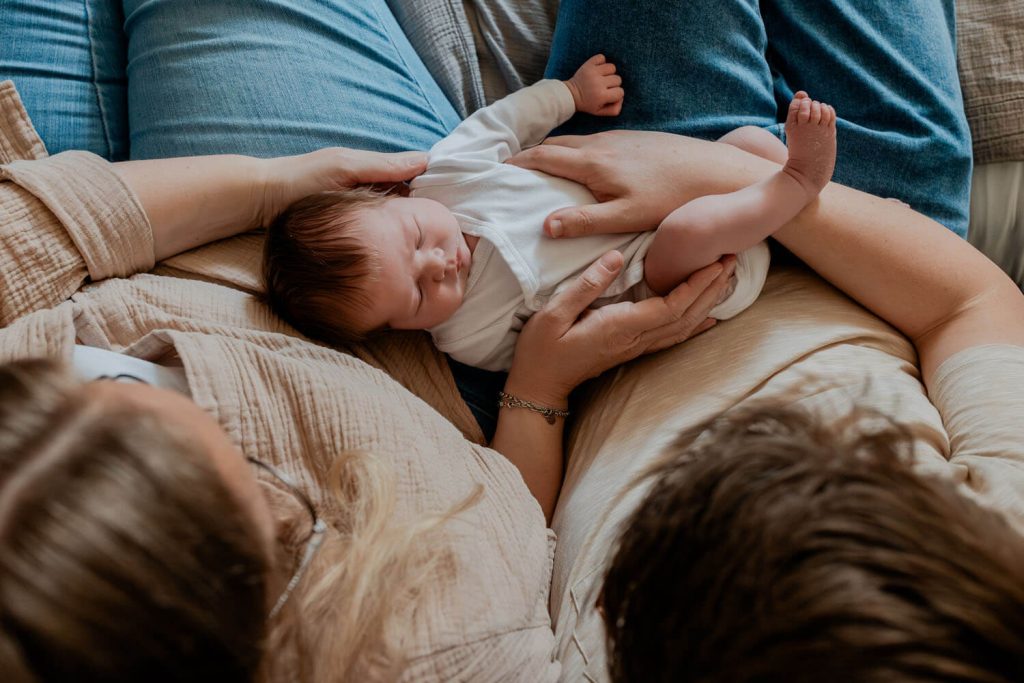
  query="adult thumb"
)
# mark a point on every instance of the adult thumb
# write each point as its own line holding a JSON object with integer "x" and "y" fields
{"x": 592, "y": 219}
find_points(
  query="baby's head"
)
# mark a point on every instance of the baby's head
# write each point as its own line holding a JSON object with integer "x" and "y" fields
{"x": 341, "y": 265}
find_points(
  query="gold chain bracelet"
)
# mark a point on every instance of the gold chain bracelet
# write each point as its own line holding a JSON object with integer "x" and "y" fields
{"x": 510, "y": 401}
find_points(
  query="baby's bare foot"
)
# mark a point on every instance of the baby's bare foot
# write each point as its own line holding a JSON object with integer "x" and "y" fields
{"x": 811, "y": 138}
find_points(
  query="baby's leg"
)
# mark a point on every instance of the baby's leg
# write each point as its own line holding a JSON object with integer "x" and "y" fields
{"x": 705, "y": 229}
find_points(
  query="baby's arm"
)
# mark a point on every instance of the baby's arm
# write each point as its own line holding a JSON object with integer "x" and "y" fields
{"x": 523, "y": 119}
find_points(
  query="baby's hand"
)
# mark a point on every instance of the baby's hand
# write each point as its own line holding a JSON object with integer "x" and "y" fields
{"x": 596, "y": 88}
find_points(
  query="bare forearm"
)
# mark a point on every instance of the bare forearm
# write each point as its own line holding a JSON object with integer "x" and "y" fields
{"x": 533, "y": 445}
{"x": 194, "y": 200}
{"x": 191, "y": 201}
{"x": 917, "y": 275}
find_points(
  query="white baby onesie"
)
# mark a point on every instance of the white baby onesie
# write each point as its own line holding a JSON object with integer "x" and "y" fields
{"x": 516, "y": 268}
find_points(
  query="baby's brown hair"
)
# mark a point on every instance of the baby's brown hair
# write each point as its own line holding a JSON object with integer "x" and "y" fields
{"x": 316, "y": 264}
{"x": 776, "y": 547}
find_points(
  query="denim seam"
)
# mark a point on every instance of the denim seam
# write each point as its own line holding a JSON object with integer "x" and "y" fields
{"x": 95, "y": 80}
{"x": 408, "y": 67}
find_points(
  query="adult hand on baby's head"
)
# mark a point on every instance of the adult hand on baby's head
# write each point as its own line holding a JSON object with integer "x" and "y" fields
{"x": 638, "y": 176}
{"x": 596, "y": 88}
{"x": 289, "y": 179}
{"x": 566, "y": 343}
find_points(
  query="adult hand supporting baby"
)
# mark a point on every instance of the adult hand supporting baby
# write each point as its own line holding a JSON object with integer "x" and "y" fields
{"x": 639, "y": 177}
{"x": 567, "y": 342}
{"x": 334, "y": 168}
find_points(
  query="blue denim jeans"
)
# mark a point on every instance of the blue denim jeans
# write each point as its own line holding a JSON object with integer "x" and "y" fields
{"x": 273, "y": 77}
{"x": 181, "y": 77}
{"x": 68, "y": 62}
{"x": 703, "y": 68}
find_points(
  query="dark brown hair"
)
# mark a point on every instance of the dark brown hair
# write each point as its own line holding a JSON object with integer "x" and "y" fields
{"x": 776, "y": 548}
{"x": 316, "y": 264}
{"x": 123, "y": 557}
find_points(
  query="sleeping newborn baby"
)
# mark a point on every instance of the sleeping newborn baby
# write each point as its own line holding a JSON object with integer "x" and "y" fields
{"x": 465, "y": 257}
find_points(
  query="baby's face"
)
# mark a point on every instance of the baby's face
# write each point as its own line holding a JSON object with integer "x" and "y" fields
{"x": 424, "y": 263}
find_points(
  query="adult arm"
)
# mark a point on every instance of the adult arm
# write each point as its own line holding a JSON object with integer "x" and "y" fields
{"x": 191, "y": 201}
{"x": 73, "y": 216}
{"x": 566, "y": 343}
{"x": 909, "y": 270}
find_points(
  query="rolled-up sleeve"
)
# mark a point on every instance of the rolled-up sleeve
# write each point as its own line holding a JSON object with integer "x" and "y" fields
{"x": 980, "y": 394}
{"x": 63, "y": 219}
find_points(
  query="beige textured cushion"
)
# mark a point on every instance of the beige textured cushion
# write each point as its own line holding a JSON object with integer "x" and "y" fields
{"x": 991, "y": 54}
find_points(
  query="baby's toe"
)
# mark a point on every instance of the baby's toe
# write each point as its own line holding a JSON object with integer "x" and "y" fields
{"x": 794, "y": 111}
{"x": 805, "y": 111}
{"x": 827, "y": 114}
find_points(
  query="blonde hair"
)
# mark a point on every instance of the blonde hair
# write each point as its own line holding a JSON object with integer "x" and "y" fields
{"x": 358, "y": 603}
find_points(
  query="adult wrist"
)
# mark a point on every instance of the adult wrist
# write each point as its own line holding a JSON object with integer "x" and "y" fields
{"x": 274, "y": 185}
{"x": 539, "y": 392}
{"x": 549, "y": 413}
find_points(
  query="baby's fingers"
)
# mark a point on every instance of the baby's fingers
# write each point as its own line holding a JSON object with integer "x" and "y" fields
{"x": 610, "y": 109}
{"x": 613, "y": 95}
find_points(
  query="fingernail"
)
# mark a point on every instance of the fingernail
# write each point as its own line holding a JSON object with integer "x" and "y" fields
{"x": 610, "y": 260}
{"x": 556, "y": 228}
